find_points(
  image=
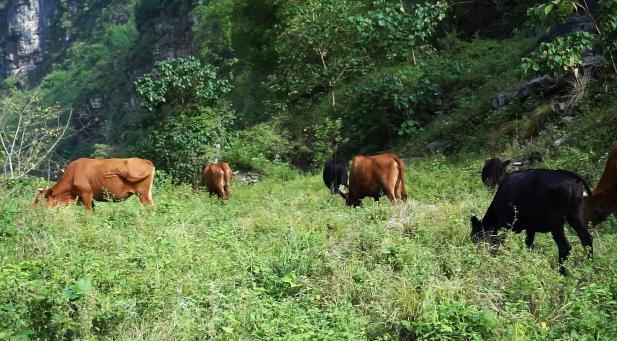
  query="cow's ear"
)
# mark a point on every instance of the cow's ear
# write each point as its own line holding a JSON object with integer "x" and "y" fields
{"x": 40, "y": 190}
{"x": 507, "y": 163}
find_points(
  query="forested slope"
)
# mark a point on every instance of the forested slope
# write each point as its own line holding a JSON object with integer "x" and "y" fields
{"x": 309, "y": 79}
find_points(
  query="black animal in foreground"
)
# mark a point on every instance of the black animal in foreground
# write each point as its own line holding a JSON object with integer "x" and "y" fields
{"x": 335, "y": 175}
{"x": 494, "y": 171}
{"x": 538, "y": 200}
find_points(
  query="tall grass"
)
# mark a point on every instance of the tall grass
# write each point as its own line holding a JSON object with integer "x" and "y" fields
{"x": 286, "y": 260}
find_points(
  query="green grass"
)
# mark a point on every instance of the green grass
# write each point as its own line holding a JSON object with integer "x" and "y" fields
{"x": 286, "y": 260}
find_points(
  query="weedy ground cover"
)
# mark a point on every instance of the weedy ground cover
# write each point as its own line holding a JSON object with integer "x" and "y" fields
{"x": 283, "y": 259}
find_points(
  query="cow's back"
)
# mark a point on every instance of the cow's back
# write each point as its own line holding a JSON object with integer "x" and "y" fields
{"x": 214, "y": 178}
{"x": 537, "y": 198}
{"x": 373, "y": 176}
{"x": 113, "y": 172}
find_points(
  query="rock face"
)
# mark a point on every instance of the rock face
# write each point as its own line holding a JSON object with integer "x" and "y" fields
{"x": 24, "y": 26}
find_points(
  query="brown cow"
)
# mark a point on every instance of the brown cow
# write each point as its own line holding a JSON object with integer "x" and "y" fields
{"x": 101, "y": 180}
{"x": 217, "y": 178}
{"x": 373, "y": 176}
{"x": 603, "y": 199}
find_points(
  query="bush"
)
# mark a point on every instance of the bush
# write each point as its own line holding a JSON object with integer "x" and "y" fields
{"x": 392, "y": 103}
{"x": 254, "y": 148}
{"x": 182, "y": 144}
{"x": 190, "y": 120}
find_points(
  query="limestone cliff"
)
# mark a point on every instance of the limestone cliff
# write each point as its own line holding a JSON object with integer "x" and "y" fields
{"x": 24, "y": 27}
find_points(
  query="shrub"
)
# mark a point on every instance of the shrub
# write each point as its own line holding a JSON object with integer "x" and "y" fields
{"x": 257, "y": 148}
{"x": 564, "y": 54}
{"x": 392, "y": 103}
{"x": 190, "y": 120}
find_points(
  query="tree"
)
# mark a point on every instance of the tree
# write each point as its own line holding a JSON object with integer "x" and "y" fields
{"x": 190, "y": 119}
{"x": 29, "y": 133}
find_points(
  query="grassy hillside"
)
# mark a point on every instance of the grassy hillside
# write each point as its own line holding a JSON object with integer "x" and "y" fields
{"x": 286, "y": 260}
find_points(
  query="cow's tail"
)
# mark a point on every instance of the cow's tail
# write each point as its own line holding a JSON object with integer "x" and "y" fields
{"x": 583, "y": 181}
{"x": 400, "y": 181}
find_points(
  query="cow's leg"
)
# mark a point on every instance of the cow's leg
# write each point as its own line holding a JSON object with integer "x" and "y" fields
{"x": 227, "y": 189}
{"x": 145, "y": 196}
{"x": 578, "y": 224}
{"x": 531, "y": 234}
{"x": 391, "y": 195}
{"x": 220, "y": 189}
{"x": 86, "y": 198}
{"x": 563, "y": 246}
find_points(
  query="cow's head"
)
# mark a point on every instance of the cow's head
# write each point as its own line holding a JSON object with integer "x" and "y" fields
{"x": 50, "y": 199}
{"x": 477, "y": 229}
{"x": 480, "y": 232}
{"x": 494, "y": 171}
{"x": 352, "y": 200}
{"x": 41, "y": 193}
{"x": 597, "y": 208}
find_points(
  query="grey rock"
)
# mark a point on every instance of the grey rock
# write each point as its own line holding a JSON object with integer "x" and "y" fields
{"x": 434, "y": 146}
{"x": 27, "y": 23}
{"x": 247, "y": 178}
{"x": 525, "y": 90}
{"x": 567, "y": 119}
{"x": 96, "y": 102}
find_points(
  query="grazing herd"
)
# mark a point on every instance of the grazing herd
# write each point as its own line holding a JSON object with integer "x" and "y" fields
{"x": 533, "y": 200}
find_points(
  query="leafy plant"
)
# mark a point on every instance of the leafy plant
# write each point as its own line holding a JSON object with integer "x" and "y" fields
{"x": 394, "y": 103}
{"x": 328, "y": 139}
{"x": 183, "y": 84}
{"x": 190, "y": 118}
{"x": 564, "y": 54}
{"x": 554, "y": 11}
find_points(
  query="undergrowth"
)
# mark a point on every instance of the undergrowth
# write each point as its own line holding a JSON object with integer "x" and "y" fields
{"x": 283, "y": 259}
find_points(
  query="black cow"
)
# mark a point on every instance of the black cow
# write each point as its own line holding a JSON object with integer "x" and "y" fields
{"x": 494, "y": 171}
{"x": 538, "y": 200}
{"x": 335, "y": 175}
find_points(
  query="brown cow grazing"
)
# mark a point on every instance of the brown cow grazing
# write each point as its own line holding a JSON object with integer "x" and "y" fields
{"x": 217, "y": 178}
{"x": 100, "y": 180}
{"x": 374, "y": 176}
{"x": 603, "y": 199}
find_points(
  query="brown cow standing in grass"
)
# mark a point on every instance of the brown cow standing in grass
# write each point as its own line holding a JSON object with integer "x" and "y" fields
{"x": 101, "y": 180}
{"x": 603, "y": 199}
{"x": 217, "y": 179}
{"x": 374, "y": 176}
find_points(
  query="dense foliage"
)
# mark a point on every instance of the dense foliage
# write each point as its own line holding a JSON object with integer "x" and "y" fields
{"x": 189, "y": 121}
